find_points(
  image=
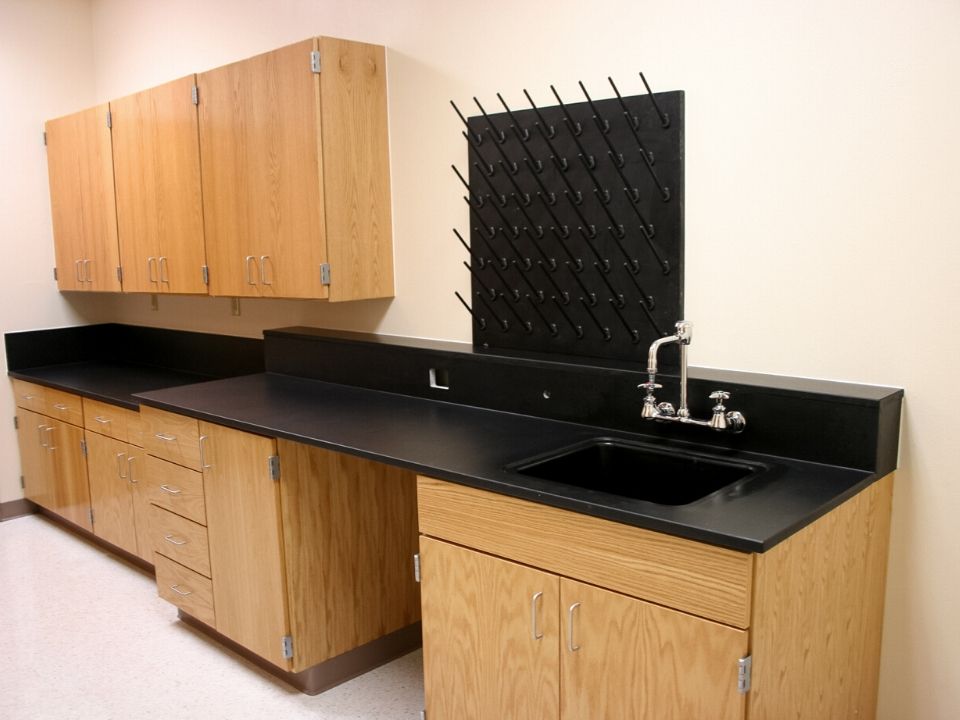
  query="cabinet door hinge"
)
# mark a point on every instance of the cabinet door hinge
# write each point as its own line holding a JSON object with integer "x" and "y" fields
{"x": 83, "y": 447}
{"x": 44, "y": 138}
{"x": 23, "y": 483}
{"x": 16, "y": 423}
{"x": 195, "y": 95}
{"x": 744, "y": 668}
{"x": 423, "y": 715}
{"x": 120, "y": 273}
{"x": 287, "y": 647}
{"x": 91, "y": 515}
{"x": 324, "y": 273}
{"x": 416, "y": 567}
{"x": 273, "y": 465}
{"x": 315, "y": 61}
{"x": 109, "y": 119}
{"x": 205, "y": 273}
{"x": 55, "y": 274}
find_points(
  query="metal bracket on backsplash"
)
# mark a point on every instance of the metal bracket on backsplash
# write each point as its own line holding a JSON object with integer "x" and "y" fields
{"x": 576, "y": 223}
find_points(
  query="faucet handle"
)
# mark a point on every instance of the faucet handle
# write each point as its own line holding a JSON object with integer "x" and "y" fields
{"x": 720, "y": 396}
{"x": 649, "y": 386}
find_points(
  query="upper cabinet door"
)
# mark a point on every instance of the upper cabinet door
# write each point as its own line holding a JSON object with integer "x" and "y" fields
{"x": 356, "y": 169}
{"x": 156, "y": 158}
{"x": 261, "y": 167}
{"x": 83, "y": 205}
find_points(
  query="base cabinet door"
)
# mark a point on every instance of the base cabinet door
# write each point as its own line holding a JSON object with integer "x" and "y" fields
{"x": 490, "y": 636}
{"x": 626, "y": 659}
{"x": 71, "y": 491}
{"x": 246, "y": 555}
{"x": 35, "y": 467}
{"x": 111, "y": 492}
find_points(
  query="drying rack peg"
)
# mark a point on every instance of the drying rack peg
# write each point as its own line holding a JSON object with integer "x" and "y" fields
{"x": 502, "y": 138}
{"x": 476, "y": 136}
{"x": 551, "y": 131}
{"x": 602, "y": 124}
{"x": 477, "y": 259}
{"x": 521, "y": 132}
{"x": 564, "y": 295}
{"x": 502, "y": 322}
{"x": 634, "y": 120}
{"x": 489, "y": 230}
{"x": 632, "y": 264}
{"x": 514, "y": 293}
{"x": 557, "y": 158}
{"x": 605, "y": 331}
{"x": 616, "y": 296}
{"x": 576, "y": 328}
{"x": 550, "y": 196}
{"x": 589, "y": 160}
{"x": 486, "y": 168}
{"x": 647, "y": 227}
{"x": 664, "y": 118}
{"x": 523, "y": 196}
{"x": 507, "y": 162}
{"x": 574, "y": 125}
{"x": 481, "y": 322}
{"x": 477, "y": 198}
{"x": 647, "y": 300}
{"x": 538, "y": 293}
{"x": 476, "y": 275}
{"x": 592, "y": 297}
{"x": 633, "y": 333}
{"x": 528, "y": 326}
{"x": 552, "y": 327}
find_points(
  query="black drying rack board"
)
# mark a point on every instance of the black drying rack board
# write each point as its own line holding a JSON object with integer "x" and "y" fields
{"x": 576, "y": 242}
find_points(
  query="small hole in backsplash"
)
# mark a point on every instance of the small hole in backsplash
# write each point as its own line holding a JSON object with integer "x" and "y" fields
{"x": 439, "y": 378}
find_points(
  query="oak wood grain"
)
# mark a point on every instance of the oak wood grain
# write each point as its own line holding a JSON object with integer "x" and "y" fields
{"x": 107, "y": 419}
{"x": 171, "y": 437}
{"x": 180, "y": 539}
{"x": 111, "y": 494}
{"x": 175, "y": 488}
{"x": 188, "y": 590}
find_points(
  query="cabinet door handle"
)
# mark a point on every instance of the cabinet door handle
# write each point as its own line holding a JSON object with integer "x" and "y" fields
{"x": 86, "y": 270}
{"x": 130, "y": 460}
{"x": 40, "y": 429}
{"x": 263, "y": 270}
{"x": 164, "y": 277}
{"x": 102, "y": 420}
{"x": 174, "y": 540}
{"x": 203, "y": 452}
{"x": 534, "y": 624}
{"x": 60, "y": 406}
{"x": 178, "y": 591}
{"x": 171, "y": 490}
{"x": 571, "y": 645}
{"x": 165, "y": 437}
{"x": 250, "y": 278}
{"x": 120, "y": 465}
{"x": 47, "y": 445}
{"x": 151, "y": 269}
{"x": 78, "y": 267}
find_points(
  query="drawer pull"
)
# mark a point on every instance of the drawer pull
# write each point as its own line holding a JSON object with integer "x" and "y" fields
{"x": 171, "y": 490}
{"x": 28, "y": 397}
{"x": 165, "y": 437}
{"x": 534, "y": 624}
{"x": 571, "y": 645}
{"x": 203, "y": 454}
{"x": 178, "y": 591}
{"x": 120, "y": 465}
{"x": 174, "y": 540}
{"x": 102, "y": 420}
{"x": 60, "y": 406}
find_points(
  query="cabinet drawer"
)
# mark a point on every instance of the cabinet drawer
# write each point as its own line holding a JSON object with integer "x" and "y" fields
{"x": 135, "y": 429}
{"x": 175, "y": 488}
{"x": 107, "y": 419}
{"x": 172, "y": 437}
{"x": 64, "y": 406}
{"x": 180, "y": 539}
{"x": 697, "y": 578}
{"x": 29, "y": 396}
{"x": 189, "y": 591}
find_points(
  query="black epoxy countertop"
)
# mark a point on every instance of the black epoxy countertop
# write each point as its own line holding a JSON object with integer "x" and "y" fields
{"x": 474, "y": 446}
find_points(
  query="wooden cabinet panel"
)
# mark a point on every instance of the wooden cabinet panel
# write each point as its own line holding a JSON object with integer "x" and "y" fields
{"x": 350, "y": 531}
{"x": 170, "y": 436}
{"x": 188, "y": 590}
{"x": 695, "y": 577}
{"x": 106, "y": 419}
{"x": 246, "y": 555}
{"x": 63, "y": 406}
{"x": 83, "y": 205}
{"x": 136, "y": 468}
{"x": 490, "y": 636}
{"x": 156, "y": 158}
{"x": 180, "y": 539}
{"x": 111, "y": 496}
{"x": 175, "y": 488}
{"x": 71, "y": 491}
{"x": 29, "y": 396}
{"x": 262, "y": 193}
{"x": 35, "y": 465}
{"x": 624, "y": 659}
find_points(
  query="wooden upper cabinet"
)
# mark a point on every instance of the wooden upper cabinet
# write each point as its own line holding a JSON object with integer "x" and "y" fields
{"x": 80, "y": 166}
{"x": 156, "y": 160}
{"x": 295, "y": 173}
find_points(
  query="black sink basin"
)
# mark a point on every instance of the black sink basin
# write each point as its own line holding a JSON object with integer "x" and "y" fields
{"x": 637, "y": 471}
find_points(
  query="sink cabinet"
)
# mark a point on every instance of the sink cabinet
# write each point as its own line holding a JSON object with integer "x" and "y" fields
{"x": 531, "y": 611}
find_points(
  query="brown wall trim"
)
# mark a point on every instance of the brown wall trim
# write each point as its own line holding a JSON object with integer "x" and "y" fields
{"x": 16, "y": 508}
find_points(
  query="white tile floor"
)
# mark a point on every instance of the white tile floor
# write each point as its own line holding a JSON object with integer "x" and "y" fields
{"x": 83, "y": 635}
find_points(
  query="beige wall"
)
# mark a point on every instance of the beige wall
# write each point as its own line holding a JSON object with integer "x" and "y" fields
{"x": 822, "y": 170}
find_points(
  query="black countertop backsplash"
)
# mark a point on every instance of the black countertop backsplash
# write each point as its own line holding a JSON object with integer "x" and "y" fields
{"x": 819, "y": 442}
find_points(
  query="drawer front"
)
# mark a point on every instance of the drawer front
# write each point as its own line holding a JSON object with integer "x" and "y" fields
{"x": 175, "y": 488}
{"x": 189, "y": 591}
{"x": 64, "y": 406}
{"x": 180, "y": 539}
{"x": 172, "y": 437}
{"x": 697, "y": 578}
{"x": 30, "y": 396}
{"x": 135, "y": 429}
{"x": 107, "y": 419}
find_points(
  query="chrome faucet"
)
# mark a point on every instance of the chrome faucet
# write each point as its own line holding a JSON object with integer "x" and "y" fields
{"x": 652, "y": 410}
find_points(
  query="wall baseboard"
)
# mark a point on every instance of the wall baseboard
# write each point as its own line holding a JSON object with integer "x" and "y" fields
{"x": 16, "y": 508}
